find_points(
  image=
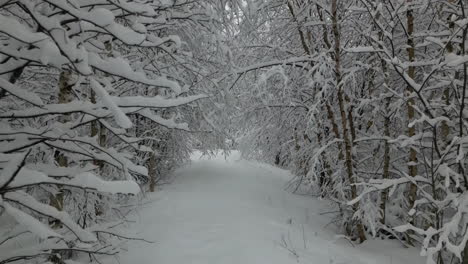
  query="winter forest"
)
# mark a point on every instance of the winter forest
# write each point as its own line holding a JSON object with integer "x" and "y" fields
{"x": 326, "y": 131}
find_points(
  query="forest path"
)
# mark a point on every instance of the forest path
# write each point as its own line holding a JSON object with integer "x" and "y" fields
{"x": 222, "y": 212}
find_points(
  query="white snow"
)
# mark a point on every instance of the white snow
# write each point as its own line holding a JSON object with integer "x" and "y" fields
{"x": 234, "y": 211}
{"x": 20, "y": 93}
{"x": 361, "y": 49}
{"x": 89, "y": 179}
{"x": 120, "y": 117}
{"x": 169, "y": 123}
{"x": 31, "y": 223}
{"x": 102, "y": 17}
{"x": 27, "y": 201}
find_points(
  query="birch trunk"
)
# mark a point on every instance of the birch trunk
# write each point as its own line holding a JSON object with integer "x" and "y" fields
{"x": 344, "y": 120}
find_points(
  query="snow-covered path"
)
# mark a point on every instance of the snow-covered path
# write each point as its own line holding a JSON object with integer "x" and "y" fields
{"x": 223, "y": 212}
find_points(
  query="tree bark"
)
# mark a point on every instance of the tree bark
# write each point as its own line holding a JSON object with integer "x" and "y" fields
{"x": 64, "y": 96}
{"x": 386, "y": 165}
{"x": 153, "y": 174}
{"x": 344, "y": 122}
{"x": 386, "y": 157}
{"x": 412, "y": 167}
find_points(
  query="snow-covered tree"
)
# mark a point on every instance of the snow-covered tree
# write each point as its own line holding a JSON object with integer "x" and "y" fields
{"x": 98, "y": 99}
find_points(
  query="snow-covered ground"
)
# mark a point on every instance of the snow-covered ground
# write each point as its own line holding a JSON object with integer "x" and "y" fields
{"x": 233, "y": 211}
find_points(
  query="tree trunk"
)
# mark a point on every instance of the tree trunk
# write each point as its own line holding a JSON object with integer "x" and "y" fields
{"x": 412, "y": 167}
{"x": 461, "y": 169}
{"x": 386, "y": 158}
{"x": 153, "y": 174}
{"x": 64, "y": 96}
{"x": 344, "y": 122}
{"x": 301, "y": 33}
{"x": 386, "y": 165}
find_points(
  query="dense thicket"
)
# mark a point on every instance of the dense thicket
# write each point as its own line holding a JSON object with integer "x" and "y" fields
{"x": 98, "y": 99}
{"x": 365, "y": 102}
